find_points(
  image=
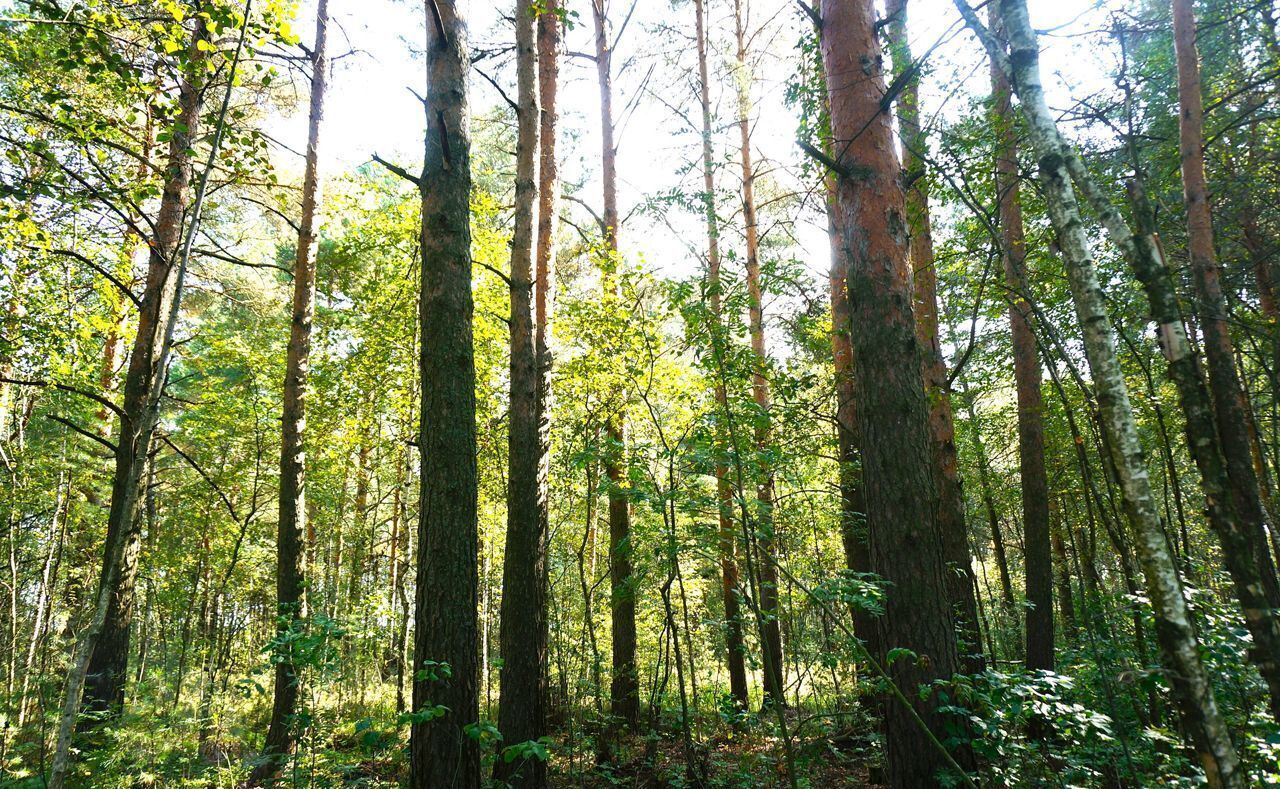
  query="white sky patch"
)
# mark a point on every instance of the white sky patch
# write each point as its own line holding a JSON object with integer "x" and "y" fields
{"x": 372, "y": 107}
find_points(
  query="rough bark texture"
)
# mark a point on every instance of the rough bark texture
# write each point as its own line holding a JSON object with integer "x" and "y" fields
{"x": 144, "y": 382}
{"x": 292, "y": 524}
{"x": 523, "y": 626}
{"x": 853, "y": 506}
{"x": 625, "y": 688}
{"x": 735, "y": 656}
{"x": 446, "y": 630}
{"x": 892, "y": 411}
{"x": 1215, "y": 330}
{"x": 771, "y": 632}
{"x": 1058, "y": 164}
{"x": 1027, "y": 378}
{"x": 1240, "y": 544}
{"x": 942, "y": 429}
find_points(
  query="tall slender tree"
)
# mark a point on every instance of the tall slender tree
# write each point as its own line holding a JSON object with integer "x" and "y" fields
{"x": 625, "y": 685}
{"x": 523, "y": 629}
{"x": 446, "y": 620}
{"x": 1215, "y": 327}
{"x": 735, "y": 648}
{"x": 144, "y": 382}
{"x": 291, "y": 609}
{"x": 771, "y": 630}
{"x": 1027, "y": 378}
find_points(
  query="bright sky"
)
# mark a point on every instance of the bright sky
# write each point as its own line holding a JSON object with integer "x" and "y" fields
{"x": 371, "y": 108}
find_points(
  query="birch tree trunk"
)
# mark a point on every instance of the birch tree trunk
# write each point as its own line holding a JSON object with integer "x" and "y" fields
{"x": 1174, "y": 629}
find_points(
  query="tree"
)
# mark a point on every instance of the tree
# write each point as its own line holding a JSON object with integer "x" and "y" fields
{"x": 522, "y": 706}
{"x": 735, "y": 648}
{"x": 942, "y": 430}
{"x": 771, "y": 631}
{"x": 625, "y": 687}
{"x": 446, "y": 670}
{"x": 1026, "y": 372}
{"x": 1224, "y": 383}
{"x": 892, "y": 413}
{"x": 292, "y": 525}
{"x": 1177, "y": 637}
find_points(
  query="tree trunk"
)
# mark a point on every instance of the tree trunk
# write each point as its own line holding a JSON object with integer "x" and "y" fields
{"x": 441, "y": 753}
{"x": 103, "y": 652}
{"x": 291, "y": 609}
{"x": 549, "y": 23}
{"x": 1224, "y": 383}
{"x": 1027, "y": 378}
{"x": 853, "y": 507}
{"x": 1164, "y": 587}
{"x": 942, "y": 430}
{"x": 625, "y": 687}
{"x": 892, "y": 411}
{"x": 523, "y": 625}
{"x": 140, "y": 411}
{"x": 988, "y": 502}
{"x": 771, "y": 633}
{"x": 735, "y": 655}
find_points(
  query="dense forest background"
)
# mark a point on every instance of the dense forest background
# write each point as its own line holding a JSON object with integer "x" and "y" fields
{"x": 709, "y": 393}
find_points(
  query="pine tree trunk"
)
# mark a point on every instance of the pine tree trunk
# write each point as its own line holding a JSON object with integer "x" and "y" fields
{"x": 942, "y": 430}
{"x": 1174, "y": 628}
{"x": 441, "y": 753}
{"x": 523, "y": 625}
{"x": 905, "y": 547}
{"x": 1224, "y": 383}
{"x": 1027, "y": 378}
{"x": 988, "y": 502}
{"x": 735, "y": 649}
{"x": 291, "y": 527}
{"x": 625, "y": 686}
{"x": 853, "y": 507}
{"x": 549, "y": 22}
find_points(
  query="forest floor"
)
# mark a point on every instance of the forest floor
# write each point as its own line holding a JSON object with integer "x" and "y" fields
{"x": 727, "y": 758}
{"x": 748, "y": 759}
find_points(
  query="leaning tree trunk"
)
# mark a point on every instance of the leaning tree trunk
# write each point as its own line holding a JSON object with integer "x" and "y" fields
{"x": 735, "y": 649}
{"x": 292, "y": 525}
{"x": 140, "y": 411}
{"x": 1027, "y": 378}
{"x": 961, "y": 584}
{"x": 892, "y": 412}
{"x": 1174, "y": 629}
{"x": 522, "y": 713}
{"x": 625, "y": 687}
{"x": 771, "y": 633}
{"x": 446, "y": 632}
{"x": 1211, "y": 309}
